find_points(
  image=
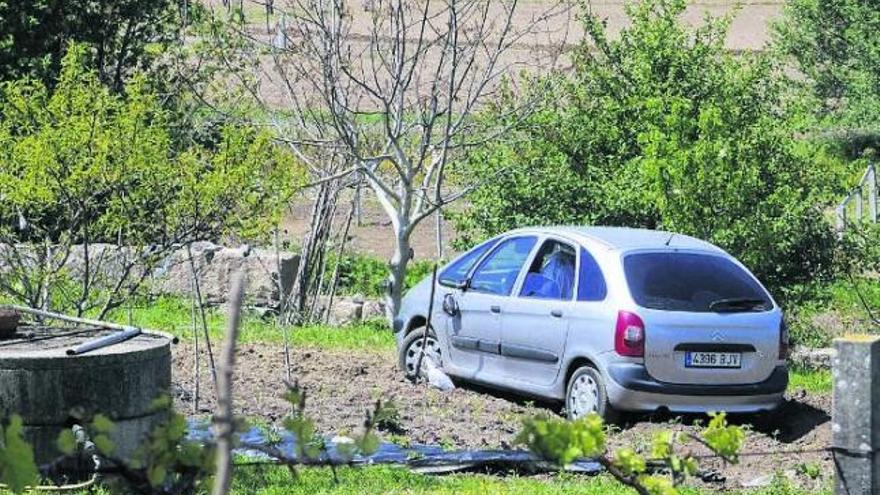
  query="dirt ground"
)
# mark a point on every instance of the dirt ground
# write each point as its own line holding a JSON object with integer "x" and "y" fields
{"x": 749, "y": 30}
{"x": 342, "y": 385}
{"x": 374, "y": 235}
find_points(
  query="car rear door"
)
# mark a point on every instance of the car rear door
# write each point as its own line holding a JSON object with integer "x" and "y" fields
{"x": 474, "y": 333}
{"x": 707, "y": 320}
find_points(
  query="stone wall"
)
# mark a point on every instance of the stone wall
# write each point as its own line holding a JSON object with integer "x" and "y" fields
{"x": 216, "y": 265}
{"x": 270, "y": 276}
{"x": 811, "y": 358}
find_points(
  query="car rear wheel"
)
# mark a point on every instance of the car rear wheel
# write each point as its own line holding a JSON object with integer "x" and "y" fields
{"x": 586, "y": 394}
{"x": 411, "y": 349}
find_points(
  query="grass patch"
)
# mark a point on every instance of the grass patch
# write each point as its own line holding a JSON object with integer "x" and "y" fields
{"x": 815, "y": 382}
{"x": 384, "y": 479}
{"x": 276, "y": 480}
{"x": 838, "y": 300}
{"x": 174, "y": 315}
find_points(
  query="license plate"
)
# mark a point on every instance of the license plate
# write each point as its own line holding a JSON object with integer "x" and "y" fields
{"x": 694, "y": 359}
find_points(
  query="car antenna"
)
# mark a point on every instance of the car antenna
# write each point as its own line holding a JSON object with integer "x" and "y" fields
{"x": 670, "y": 238}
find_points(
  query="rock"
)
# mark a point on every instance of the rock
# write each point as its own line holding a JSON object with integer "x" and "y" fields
{"x": 811, "y": 358}
{"x": 217, "y": 265}
{"x": 373, "y": 309}
{"x": 106, "y": 262}
{"x": 344, "y": 311}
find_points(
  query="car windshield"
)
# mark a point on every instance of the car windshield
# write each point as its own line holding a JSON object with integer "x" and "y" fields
{"x": 694, "y": 282}
{"x": 458, "y": 270}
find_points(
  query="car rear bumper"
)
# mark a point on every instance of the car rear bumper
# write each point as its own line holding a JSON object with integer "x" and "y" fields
{"x": 631, "y": 388}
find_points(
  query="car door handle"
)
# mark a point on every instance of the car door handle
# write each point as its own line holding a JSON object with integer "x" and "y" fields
{"x": 495, "y": 309}
{"x": 557, "y": 313}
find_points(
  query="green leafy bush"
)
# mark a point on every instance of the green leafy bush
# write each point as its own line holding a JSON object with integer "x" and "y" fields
{"x": 17, "y": 468}
{"x": 562, "y": 442}
{"x": 662, "y": 127}
{"x": 125, "y": 36}
{"x": 80, "y": 165}
{"x": 834, "y": 44}
{"x": 367, "y": 275}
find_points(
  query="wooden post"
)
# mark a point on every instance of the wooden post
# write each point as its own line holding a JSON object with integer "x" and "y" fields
{"x": 857, "y": 194}
{"x": 840, "y": 214}
{"x": 872, "y": 193}
{"x": 439, "y": 234}
{"x": 855, "y": 427}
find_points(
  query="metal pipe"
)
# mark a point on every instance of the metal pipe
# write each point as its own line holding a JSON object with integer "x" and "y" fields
{"x": 86, "y": 321}
{"x": 107, "y": 340}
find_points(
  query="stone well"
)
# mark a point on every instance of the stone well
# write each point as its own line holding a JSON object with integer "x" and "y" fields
{"x": 50, "y": 389}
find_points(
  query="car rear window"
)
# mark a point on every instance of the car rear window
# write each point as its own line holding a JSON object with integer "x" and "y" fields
{"x": 676, "y": 281}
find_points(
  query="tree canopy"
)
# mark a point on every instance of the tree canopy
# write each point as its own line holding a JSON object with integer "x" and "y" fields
{"x": 80, "y": 165}
{"x": 662, "y": 127}
{"x": 124, "y": 35}
{"x": 835, "y": 47}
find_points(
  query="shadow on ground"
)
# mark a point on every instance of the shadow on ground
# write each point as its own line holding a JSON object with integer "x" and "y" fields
{"x": 789, "y": 423}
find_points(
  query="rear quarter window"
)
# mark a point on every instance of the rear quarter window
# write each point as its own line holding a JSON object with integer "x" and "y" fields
{"x": 677, "y": 281}
{"x": 591, "y": 281}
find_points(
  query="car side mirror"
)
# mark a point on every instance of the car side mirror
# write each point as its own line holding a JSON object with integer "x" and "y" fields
{"x": 450, "y": 305}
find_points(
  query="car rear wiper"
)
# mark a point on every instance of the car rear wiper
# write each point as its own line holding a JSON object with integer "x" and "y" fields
{"x": 738, "y": 304}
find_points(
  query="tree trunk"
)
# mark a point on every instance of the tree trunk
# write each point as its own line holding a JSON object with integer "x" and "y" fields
{"x": 397, "y": 275}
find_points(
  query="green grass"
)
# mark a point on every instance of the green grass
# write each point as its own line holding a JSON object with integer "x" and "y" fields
{"x": 174, "y": 315}
{"x": 275, "y": 480}
{"x": 814, "y": 382}
{"x": 383, "y": 479}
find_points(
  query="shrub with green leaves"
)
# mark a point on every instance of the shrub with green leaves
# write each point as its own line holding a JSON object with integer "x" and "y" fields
{"x": 834, "y": 45}
{"x": 124, "y": 36}
{"x": 81, "y": 166}
{"x": 17, "y": 468}
{"x": 562, "y": 442}
{"x": 367, "y": 275}
{"x": 662, "y": 127}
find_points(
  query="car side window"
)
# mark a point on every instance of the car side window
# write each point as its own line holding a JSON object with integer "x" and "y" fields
{"x": 458, "y": 270}
{"x": 497, "y": 273}
{"x": 551, "y": 274}
{"x": 591, "y": 282}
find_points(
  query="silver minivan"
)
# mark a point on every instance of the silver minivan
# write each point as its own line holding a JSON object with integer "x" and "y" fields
{"x": 606, "y": 319}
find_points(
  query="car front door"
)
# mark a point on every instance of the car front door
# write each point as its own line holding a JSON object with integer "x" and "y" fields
{"x": 535, "y": 326}
{"x": 474, "y": 332}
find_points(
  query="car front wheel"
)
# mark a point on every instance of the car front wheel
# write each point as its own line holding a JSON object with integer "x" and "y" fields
{"x": 586, "y": 394}
{"x": 411, "y": 350}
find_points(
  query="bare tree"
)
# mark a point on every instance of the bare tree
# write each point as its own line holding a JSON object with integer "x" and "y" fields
{"x": 224, "y": 422}
{"x": 396, "y": 89}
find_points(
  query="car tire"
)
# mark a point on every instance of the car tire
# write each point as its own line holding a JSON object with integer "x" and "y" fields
{"x": 411, "y": 346}
{"x": 585, "y": 393}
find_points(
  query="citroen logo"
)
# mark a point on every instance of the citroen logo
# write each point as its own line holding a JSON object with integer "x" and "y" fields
{"x": 717, "y": 337}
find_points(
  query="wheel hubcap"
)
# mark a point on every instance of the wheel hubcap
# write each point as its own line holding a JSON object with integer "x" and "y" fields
{"x": 584, "y": 397}
{"x": 432, "y": 350}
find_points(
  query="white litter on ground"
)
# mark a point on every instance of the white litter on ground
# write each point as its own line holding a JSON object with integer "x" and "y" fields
{"x": 436, "y": 378}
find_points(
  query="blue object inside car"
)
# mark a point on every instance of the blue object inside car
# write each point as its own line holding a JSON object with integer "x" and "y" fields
{"x": 560, "y": 269}
{"x": 537, "y": 285}
{"x": 554, "y": 279}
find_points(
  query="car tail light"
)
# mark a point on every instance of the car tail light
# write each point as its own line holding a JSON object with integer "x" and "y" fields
{"x": 783, "y": 340}
{"x": 629, "y": 335}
